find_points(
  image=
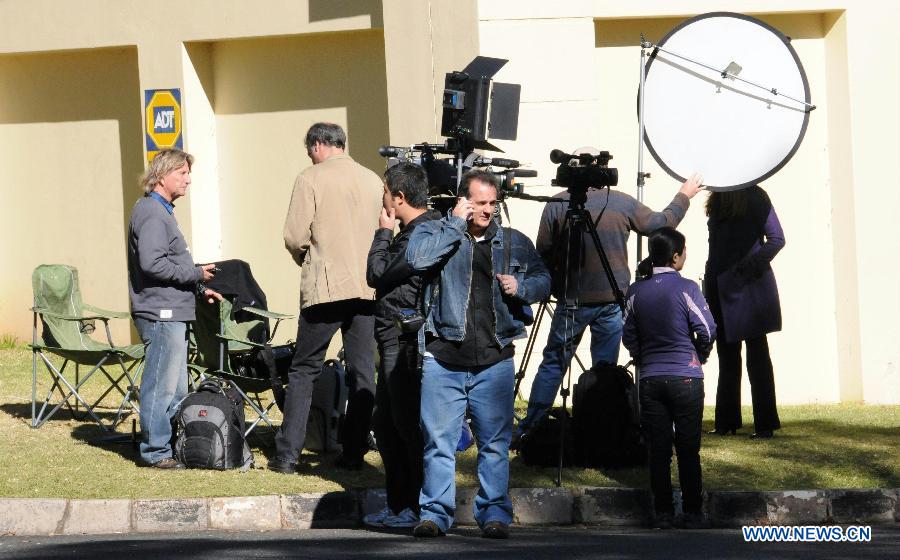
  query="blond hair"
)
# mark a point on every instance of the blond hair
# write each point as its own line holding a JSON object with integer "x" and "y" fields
{"x": 165, "y": 162}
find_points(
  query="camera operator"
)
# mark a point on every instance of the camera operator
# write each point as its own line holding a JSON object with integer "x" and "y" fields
{"x": 398, "y": 319}
{"x": 474, "y": 308}
{"x": 615, "y": 215}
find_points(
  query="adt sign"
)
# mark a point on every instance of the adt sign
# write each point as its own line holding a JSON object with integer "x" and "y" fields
{"x": 163, "y": 119}
{"x": 162, "y": 110}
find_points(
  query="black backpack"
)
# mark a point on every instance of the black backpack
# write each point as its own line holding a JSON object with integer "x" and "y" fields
{"x": 209, "y": 429}
{"x": 606, "y": 425}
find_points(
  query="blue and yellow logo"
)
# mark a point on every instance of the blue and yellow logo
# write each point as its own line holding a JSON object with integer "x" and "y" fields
{"x": 162, "y": 109}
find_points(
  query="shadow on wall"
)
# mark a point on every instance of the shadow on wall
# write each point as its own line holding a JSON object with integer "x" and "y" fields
{"x": 627, "y": 32}
{"x": 264, "y": 94}
{"x": 100, "y": 85}
{"x": 320, "y": 10}
{"x": 311, "y": 74}
{"x": 71, "y": 152}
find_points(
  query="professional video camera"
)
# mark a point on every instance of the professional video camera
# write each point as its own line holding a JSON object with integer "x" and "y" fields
{"x": 444, "y": 174}
{"x": 476, "y": 110}
{"x": 583, "y": 170}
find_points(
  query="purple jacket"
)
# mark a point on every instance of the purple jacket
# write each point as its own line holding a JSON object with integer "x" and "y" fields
{"x": 668, "y": 327}
{"x": 739, "y": 280}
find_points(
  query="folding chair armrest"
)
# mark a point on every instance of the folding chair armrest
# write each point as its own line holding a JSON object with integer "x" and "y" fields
{"x": 241, "y": 340}
{"x": 48, "y": 313}
{"x": 105, "y": 313}
{"x": 266, "y": 314}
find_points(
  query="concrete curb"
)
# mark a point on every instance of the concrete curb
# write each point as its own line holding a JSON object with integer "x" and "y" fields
{"x": 532, "y": 506}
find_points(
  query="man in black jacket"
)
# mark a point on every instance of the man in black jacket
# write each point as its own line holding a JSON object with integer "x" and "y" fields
{"x": 397, "y": 322}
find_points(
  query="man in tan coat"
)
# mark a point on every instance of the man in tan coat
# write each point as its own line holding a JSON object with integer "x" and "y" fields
{"x": 334, "y": 210}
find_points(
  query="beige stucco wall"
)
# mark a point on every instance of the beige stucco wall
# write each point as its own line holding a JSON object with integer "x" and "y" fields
{"x": 255, "y": 75}
{"x": 70, "y": 147}
{"x": 579, "y": 67}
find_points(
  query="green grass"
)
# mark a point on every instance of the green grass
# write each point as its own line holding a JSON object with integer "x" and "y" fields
{"x": 820, "y": 446}
{"x": 8, "y": 341}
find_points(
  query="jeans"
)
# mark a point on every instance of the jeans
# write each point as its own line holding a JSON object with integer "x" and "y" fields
{"x": 487, "y": 391}
{"x": 164, "y": 383}
{"x": 666, "y": 400}
{"x": 397, "y": 396}
{"x": 315, "y": 329}
{"x": 605, "y": 321}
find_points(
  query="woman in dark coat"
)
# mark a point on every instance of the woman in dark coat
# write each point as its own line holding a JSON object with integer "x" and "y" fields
{"x": 744, "y": 237}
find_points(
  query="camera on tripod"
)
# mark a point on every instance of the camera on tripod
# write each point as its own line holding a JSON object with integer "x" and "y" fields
{"x": 475, "y": 110}
{"x": 583, "y": 170}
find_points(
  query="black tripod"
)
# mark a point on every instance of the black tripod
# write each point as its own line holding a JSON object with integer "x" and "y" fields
{"x": 577, "y": 222}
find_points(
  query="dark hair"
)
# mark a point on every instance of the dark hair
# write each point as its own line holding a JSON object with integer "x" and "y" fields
{"x": 727, "y": 205}
{"x": 663, "y": 245}
{"x": 477, "y": 174}
{"x": 329, "y": 134}
{"x": 411, "y": 180}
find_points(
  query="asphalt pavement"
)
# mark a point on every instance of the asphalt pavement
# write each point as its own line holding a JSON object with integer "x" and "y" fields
{"x": 562, "y": 543}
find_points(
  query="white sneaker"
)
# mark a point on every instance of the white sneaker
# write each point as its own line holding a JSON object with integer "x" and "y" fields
{"x": 406, "y": 518}
{"x": 377, "y": 519}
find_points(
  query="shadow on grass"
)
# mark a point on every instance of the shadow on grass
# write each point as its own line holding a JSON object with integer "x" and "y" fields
{"x": 22, "y": 411}
{"x": 806, "y": 454}
{"x": 262, "y": 445}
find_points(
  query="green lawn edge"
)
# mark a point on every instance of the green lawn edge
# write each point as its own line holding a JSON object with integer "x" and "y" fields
{"x": 820, "y": 446}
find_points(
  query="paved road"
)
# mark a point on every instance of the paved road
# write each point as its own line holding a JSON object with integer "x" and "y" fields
{"x": 551, "y": 543}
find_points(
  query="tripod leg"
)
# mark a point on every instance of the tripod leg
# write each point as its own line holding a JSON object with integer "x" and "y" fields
{"x": 529, "y": 346}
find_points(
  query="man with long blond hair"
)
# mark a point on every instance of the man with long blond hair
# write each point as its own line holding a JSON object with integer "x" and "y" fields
{"x": 162, "y": 282}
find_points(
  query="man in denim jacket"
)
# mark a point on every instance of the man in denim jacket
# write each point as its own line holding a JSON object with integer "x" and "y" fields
{"x": 475, "y": 307}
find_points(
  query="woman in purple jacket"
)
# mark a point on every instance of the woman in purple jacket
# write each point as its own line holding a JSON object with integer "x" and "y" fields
{"x": 669, "y": 332}
{"x": 744, "y": 236}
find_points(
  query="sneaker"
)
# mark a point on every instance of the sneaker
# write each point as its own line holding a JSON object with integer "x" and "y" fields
{"x": 692, "y": 521}
{"x": 495, "y": 530}
{"x": 404, "y": 519}
{"x": 169, "y": 463}
{"x": 377, "y": 519}
{"x": 427, "y": 529}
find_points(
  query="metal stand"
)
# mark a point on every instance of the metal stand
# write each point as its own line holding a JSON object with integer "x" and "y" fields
{"x": 641, "y": 177}
{"x": 577, "y": 222}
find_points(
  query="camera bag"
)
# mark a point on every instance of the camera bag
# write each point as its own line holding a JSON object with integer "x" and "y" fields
{"x": 606, "y": 426}
{"x": 540, "y": 445}
{"x": 328, "y": 408}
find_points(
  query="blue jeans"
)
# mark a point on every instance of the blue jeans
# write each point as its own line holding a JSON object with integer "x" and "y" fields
{"x": 605, "y": 321}
{"x": 446, "y": 392}
{"x": 164, "y": 384}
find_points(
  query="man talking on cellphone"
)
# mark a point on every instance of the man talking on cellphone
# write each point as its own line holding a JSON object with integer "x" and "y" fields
{"x": 483, "y": 277}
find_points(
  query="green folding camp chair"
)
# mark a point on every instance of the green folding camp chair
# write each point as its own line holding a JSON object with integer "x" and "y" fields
{"x": 221, "y": 343}
{"x": 67, "y": 323}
